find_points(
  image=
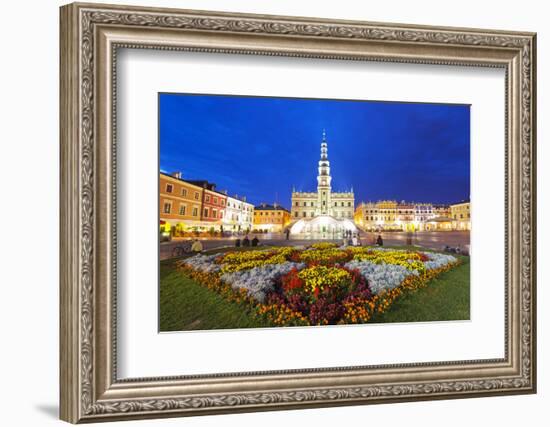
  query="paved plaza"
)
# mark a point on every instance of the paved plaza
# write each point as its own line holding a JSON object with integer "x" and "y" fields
{"x": 436, "y": 240}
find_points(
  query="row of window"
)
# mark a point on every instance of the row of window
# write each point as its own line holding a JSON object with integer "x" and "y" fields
{"x": 312, "y": 214}
{"x": 278, "y": 213}
{"x": 170, "y": 189}
{"x": 313, "y": 204}
{"x": 167, "y": 209}
{"x": 234, "y": 205}
{"x": 461, "y": 216}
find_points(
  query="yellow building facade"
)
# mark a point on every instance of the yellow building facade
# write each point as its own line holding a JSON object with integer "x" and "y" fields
{"x": 460, "y": 214}
{"x": 270, "y": 218}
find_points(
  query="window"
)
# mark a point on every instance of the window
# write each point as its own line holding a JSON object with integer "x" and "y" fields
{"x": 207, "y": 198}
{"x": 324, "y": 203}
{"x": 305, "y": 203}
{"x": 296, "y": 204}
{"x": 341, "y": 203}
{"x": 196, "y": 195}
{"x": 312, "y": 213}
{"x": 167, "y": 207}
{"x": 169, "y": 188}
{"x": 184, "y": 192}
{"x": 206, "y": 212}
{"x": 215, "y": 199}
{"x": 335, "y": 204}
{"x": 349, "y": 204}
{"x": 182, "y": 209}
{"x": 311, "y": 204}
{"x": 222, "y": 202}
{"x": 304, "y": 214}
{"x": 195, "y": 211}
{"x": 296, "y": 214}
{"x": 279, "y": 213}
{"x": 214, "y": 213}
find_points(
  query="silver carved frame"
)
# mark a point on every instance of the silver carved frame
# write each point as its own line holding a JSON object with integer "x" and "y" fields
{"x": 90, "y": 36}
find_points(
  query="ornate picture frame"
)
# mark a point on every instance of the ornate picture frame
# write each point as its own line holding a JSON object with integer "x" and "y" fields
{"x": 90, "y": 37}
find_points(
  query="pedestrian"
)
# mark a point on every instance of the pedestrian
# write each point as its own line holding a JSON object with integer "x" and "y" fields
{"x": 287, "y": 232}
{"x": 379, "y": 240}
{"x": 238, "y": 243}
{"x": 196, "y": 246}
{"x": 354, "y": 240}
{"x": 246, "y": 241}
{"x": 255, "y": 241}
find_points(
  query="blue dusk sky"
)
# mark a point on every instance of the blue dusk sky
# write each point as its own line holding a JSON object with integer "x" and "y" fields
{"x": 262, "y": 147}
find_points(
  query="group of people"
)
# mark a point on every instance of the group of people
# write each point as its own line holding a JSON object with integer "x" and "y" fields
{"x": 247, "y": 242}
{"x": 350, "y": 239}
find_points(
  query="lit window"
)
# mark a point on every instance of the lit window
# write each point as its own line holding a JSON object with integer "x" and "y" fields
{"x": 169, "y": 188}
{"x": 195, "y": 211}
{"x": 215, "y": 200}
{"x": 196, "y": 195}
{"x": 207, "y": 198}
{"x": 167, "y": 207}
{"x": 184, "y": 192}
{"x": 182, "y": 209}
{"x": 206, "y": 212}
{"x": 214, "y": 213}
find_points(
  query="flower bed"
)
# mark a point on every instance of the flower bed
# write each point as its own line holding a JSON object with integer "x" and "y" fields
{"x": 318, "y": 285}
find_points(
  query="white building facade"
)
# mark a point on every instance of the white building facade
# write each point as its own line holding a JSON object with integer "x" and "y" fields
{"x": 332, "y": 211}
{"x": 238, "y": 214}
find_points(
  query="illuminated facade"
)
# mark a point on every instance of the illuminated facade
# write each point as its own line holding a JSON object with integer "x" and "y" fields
{"x": 180, "y": 202}
{"x": 324, "y": 213}
{"x": 324, "y": 201}
{"x": 238, "y": 214}
{"x": 270, "y": 218}
{"x": 195, "y": 206}
{"x": 404, "y": 216}
{"x": 460, "y": 214}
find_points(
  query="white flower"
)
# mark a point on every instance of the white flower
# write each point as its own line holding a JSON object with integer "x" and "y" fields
{"x": 203, "y": 263}
{"x": 381, "y": 277}
{"x": 259, "y": 281}
{"x": 437, "y": 260}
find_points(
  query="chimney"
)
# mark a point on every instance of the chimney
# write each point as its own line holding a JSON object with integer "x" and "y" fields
{"x": 176, "y": 174}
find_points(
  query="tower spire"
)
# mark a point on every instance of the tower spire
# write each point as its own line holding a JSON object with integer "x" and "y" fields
{"x": 324, "y": 180}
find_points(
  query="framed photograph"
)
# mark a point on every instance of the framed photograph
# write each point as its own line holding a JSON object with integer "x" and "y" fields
{"x": 267, "y": 212}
